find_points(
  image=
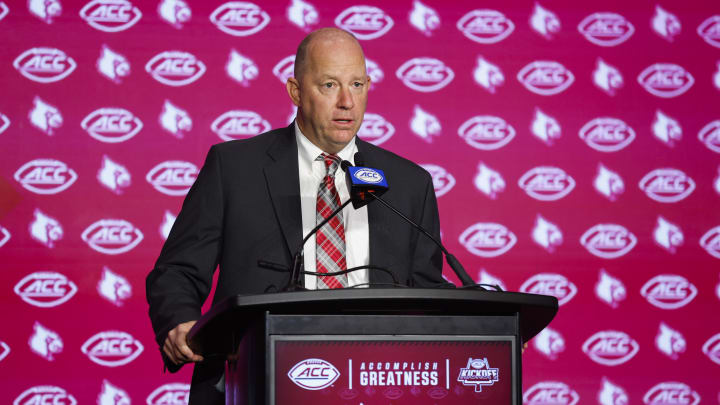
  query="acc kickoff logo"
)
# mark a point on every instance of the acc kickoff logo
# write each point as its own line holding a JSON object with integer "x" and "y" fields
{"x": 45, "y": 176}
{"x": 608, "y": 241}
{"x": 111, "y": 125}
{"x": 175, "y": 68}
{"x": 425, "y": 74}
{"x": 550, "y": 393}
{"x": 665, "y": 80}
{"x": 671, "y": 393}
{"x": 486, "y": 239}
{"x": 606, "y": 29}
{"x": 313, "y": 374}
{"x": 239, "y": 18}
{"x": 667, "y": 185}
{"x": 478, "y": 373}
{"x": 546, "y": 183}
{"x": 112, "y": 348}
{"x": 552, "y": 284}
{"x": 173, "y": 177}
{"x": 110, "y": 15}
{"x": 610, "y": 348}
{"x": 170, "y": 394}
{"x": 44, "y": 65}
{"x": 486, "y": 132}
{"x": 45, "y": 289}
{"x": 545, "y": 78}
{"x": 668, "y": 291}
{"x": 485, "y": 26}
{"x": 112, "y": 236}
{"x": 239, "y": 124}
{"x": 375, "y": 129}
{"x": 606, "y": 134}
{"x": 45, "y": 394}
{"x": 365, "y": 22}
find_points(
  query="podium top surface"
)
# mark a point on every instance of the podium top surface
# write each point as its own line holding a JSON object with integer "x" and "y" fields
{"x": 535, "y": 311}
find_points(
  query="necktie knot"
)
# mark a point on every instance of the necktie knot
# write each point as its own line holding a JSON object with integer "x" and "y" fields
{"x": 331, "y": 163}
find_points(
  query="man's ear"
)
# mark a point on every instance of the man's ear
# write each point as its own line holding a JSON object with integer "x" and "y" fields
{"x": 293, "y": 88}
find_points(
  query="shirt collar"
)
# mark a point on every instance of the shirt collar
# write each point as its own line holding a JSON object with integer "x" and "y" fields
{"x": 309, "y": 151}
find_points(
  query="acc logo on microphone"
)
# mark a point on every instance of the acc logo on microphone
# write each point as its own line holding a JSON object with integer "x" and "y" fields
{"x": 709, "y": 30}
{"x": 607, "y": 134}
{"x": 610, "y": 347}
{"x": 45, "y": 394}
{"x": 442, "y": 180}
{"x": 606, "y": 29}
{"x": 667, "y": 185}
{"x": 313, "y": 374}
{"x": 668, "y": 291}
{"x": 111, "y": 125}
{"x": 711, "y": 348}
{"x": 110, "y": 15}
{"x": 170, "y": 394}
{"x": 550, "y": 393}
{"x": 175, "y": 68}
{"x": 239, "y": 18}
{"x": 45, "y": 289}
{"x": 553, "y": 284}
{"x": 239, "y": 124}
{"x": 367, "y": 175}
{"x": 112, "y": 348}
{"x": 546, "y": 183}
{"x": 711, "y": 242}
{"x": 44, "y": 65}
{"x": 709, "y": 135}
{"x": 375, "y": 129}
{"x": 671, "y": 393}
{"x": 173, "y": 177}
{"x": 486, "y": 132}
{"x": 486, "y": 239}
{"x": 608, "y": 241}
{"x": 545, "y": 78}
{"x": 112, "y": 236}
{"x": 365, "y": 22}
{"x": 45, "y": 176}
{"x": 425, "y": 74}
{"x": 485, "y": 26}
{"x": 665, "y": 80}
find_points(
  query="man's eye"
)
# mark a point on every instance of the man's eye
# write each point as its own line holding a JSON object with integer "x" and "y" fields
{"x": 358, "y": 84}
{"x": 328, "y": 85}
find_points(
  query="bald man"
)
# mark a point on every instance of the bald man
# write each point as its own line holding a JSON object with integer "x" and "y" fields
{"x": 254, "y": 199}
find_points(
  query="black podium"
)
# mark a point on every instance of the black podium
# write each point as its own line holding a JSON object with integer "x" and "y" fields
{"x": 373, "y": 346}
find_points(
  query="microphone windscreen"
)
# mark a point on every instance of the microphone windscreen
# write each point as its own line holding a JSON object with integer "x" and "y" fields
{"x": 359, "y": 159}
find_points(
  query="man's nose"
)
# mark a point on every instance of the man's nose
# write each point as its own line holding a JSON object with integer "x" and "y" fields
{"x": 345, "y": 99}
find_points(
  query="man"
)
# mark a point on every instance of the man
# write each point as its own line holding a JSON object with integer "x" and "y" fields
{"x": 255, "y": 199}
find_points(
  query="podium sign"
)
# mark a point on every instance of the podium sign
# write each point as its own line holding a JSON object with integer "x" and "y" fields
{"x": 318, "y": 370}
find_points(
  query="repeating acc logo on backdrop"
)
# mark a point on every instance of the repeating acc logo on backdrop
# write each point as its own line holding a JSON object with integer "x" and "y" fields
{"x": 4, "y": 236}
{"x": 610, "y": 348}
{"x": 173, "y": 177}
{"x": 110, "y": 15}
{"x": 111, "y": 125}
{"x": 668, "y": 291}
{"x": 44, "y": 65}
{"x": 709, "y": 135}
{"x": 175, "y": 68}
{"x": 710, "y": 241}
{"x": 550, "y": 393}
{"x": 4, "y": 122}
{"x": 486, "y": 132}
{"x": 546, "y": 183}
{"x": 608, "y": 241}
{"x": 313, "y": 374}
{"x": 485, "y": 26}
{"x": 45, "y": 394}
{"x": 45, "y": 289}
{"x": 553, "y": 284}
{"x": 665, "y": 80}
{"x": 170, "y": 394}
{"x": 709, "y": 30}
{"x": 667, "y": 185}
{"x": 285, "y": 69}
{"x": 375, "y": 129}
{"x": 671, "y": 393}
{"x": 4, "y": 10}
{"x": 711, "y": 348}
{"x": 112, "y": 236}
{"x": 112, "y": 348}
{"x": 442, "y": 180}
{"x": 45, "y": 176}
{"x": 239, "y": 124}
{"x": 4, "y": 350}
{"x": 545, "y": 78}
{"x": 365, "y": 22}
{"x": 239, "y": 18}
{"x": 425, "y": 74}
{"x": 486, "y": 239}
{"x": 606, "y": 29}
{"x": 606, "y": 134}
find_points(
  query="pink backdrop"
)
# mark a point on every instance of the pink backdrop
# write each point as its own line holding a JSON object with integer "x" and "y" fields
{"x": 575, "y": 150}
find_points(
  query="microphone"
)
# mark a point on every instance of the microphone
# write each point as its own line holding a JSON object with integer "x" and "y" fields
{"x": 371, "y": 190}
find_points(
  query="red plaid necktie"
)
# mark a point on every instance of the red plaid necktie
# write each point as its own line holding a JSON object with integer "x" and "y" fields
{"x": 330, "y": 239}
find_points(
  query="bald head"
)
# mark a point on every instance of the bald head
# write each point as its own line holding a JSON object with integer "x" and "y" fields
{"x": 323, "y": 39}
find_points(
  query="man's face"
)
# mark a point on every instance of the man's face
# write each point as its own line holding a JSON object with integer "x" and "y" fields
{"x": 332, "y": 93}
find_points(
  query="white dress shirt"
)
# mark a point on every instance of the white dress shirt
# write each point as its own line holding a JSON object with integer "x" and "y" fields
{"x": 357, "y": 236}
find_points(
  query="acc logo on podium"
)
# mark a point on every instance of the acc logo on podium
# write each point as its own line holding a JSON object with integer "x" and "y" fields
{"x": 112, "y": 348}
{"x": 112, "y": 236}
{"x": 45, "y": 289}
{"x": 313, "y": 374}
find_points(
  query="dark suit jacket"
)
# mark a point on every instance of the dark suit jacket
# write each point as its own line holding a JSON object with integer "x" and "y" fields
{"x": 245, "y": 206}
